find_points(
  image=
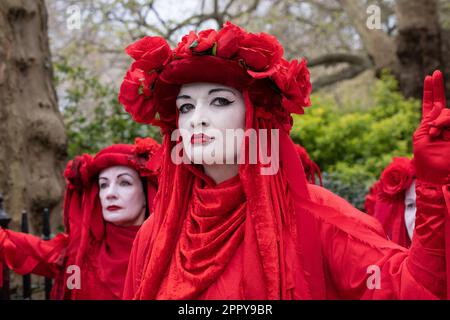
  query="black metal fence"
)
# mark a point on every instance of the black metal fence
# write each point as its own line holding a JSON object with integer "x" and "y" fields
{"x": 5, "y": 293}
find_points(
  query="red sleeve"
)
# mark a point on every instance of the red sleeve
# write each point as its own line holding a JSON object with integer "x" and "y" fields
{"x": 357, "y": 253}
{"x": 24, "y": 253}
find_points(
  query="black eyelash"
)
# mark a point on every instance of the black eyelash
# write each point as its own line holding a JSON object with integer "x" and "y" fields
{"x": 227, "y": 102}
{"x": 185, "y": 106}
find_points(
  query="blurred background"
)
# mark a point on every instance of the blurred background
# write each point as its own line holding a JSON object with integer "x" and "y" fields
{"x": 62, "y": 62}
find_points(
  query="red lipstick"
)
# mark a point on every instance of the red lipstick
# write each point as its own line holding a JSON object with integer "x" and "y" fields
{"x": 200, "y": 138}
{"x": 113, "y": 208}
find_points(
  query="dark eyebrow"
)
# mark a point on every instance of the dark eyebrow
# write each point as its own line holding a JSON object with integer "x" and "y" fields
{"x": 183, "y": 97}
{"x": 122, "y": 174}
{"x": 220, "y": 89}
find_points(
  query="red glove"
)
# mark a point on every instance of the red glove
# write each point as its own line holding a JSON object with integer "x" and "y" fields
{"x": 432, "y": 138}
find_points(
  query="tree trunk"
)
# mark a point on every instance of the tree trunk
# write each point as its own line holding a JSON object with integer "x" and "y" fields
{"x": 419, "y": 46}
{"x": 32, "y": 134}
{"x": 379, "y": 46}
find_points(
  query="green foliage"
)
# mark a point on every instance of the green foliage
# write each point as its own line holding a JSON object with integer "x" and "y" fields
{"x": 353, "y": 147}
{"x": 104, "y": 122}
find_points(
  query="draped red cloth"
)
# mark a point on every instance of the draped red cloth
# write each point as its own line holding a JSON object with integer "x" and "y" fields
{"x": 101, "y": 250}
{"x": 391, "y": 214}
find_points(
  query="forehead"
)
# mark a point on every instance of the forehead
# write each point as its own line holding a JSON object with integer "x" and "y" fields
{"x": 114, "y": 171}
{"x": 411, "y": 192}
{"x": 202, "y": 88}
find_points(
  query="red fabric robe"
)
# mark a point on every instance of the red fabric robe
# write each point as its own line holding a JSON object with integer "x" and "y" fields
{"x": 350, "y": 242}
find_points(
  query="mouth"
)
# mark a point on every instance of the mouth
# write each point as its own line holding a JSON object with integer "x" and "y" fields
{"x": 200, "y": 138}
{"x": 113, "y": 208}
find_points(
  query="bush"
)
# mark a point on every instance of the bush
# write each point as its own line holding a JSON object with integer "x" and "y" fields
{"x": 352, "y": 148}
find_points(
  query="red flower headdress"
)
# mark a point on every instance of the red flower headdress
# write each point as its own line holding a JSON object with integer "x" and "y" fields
{"x": 146, "y": 94}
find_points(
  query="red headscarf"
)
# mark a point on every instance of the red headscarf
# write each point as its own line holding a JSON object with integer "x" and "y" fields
{"x": 386, "y": 199}
{"x": 83, "y": 218}
{"x": 197, "y": 225}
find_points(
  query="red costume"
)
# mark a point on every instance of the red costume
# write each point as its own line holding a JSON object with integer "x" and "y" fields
{"x": 101, "y": 250}
{"x": 260, "y": 236}
{"x": 386, "y": 199}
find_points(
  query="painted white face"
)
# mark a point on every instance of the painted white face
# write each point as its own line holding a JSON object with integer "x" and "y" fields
{"x": 122, "y": 196}
{"x": 208, "y": 114}
{"x": 410, "y": 209}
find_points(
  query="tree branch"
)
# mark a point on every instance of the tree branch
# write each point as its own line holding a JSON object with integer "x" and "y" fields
{"x": 335, "y": 58}
{"x": 348, "y": 73}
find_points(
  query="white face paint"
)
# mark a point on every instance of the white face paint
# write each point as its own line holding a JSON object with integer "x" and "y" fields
{"x": 207, "y": 111}
{"x": 410, "y": 209}
{"x": 122, "y": 196}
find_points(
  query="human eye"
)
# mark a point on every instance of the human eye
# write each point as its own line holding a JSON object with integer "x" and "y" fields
{"x": 411, "y": 205}
{"x": 103, "y": 185}
{"x": 125, "y": 183}
{"x": 185, "y": 108}
{"x": 221, "y": 101}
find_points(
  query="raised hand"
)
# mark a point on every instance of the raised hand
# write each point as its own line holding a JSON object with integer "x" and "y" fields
{"x": 432, "y": 138}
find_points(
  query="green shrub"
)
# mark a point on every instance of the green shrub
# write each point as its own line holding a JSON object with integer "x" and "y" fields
{"x": 352, "y": 148}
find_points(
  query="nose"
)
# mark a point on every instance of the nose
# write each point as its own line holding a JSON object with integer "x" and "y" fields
{"x": 111, "y": 192}
{"x": 199, "y": 117}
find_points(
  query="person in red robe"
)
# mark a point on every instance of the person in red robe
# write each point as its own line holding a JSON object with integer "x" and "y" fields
{"x": 108, "y": 196}
{"x": 392, "y": 200}
{"x": 256, "y": 229}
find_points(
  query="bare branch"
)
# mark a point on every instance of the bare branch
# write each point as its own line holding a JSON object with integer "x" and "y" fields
{"x": 250, "y": 9}
{"x": 347, "y": 73}
{"x": 335, "y": 58}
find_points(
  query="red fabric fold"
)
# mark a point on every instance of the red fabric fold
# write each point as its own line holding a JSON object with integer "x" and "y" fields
{"x": 113, "y": 256}
{"x": 212, "y": 231}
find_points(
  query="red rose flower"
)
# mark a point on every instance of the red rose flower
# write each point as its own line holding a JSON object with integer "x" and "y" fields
{"x": 136, "y": 94}
{"x": 397, "y": 177}
{"x": 183, "y": 49}
{"x": 261, "y": 53}
{"x": 205, "y": 41}
{"x": 293, "y": 80}
{"x": 228, "y": 40}
{"x": 150, "y": 53}
{"x": 144, "y": 149}
{"x": 76, "y": 171}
